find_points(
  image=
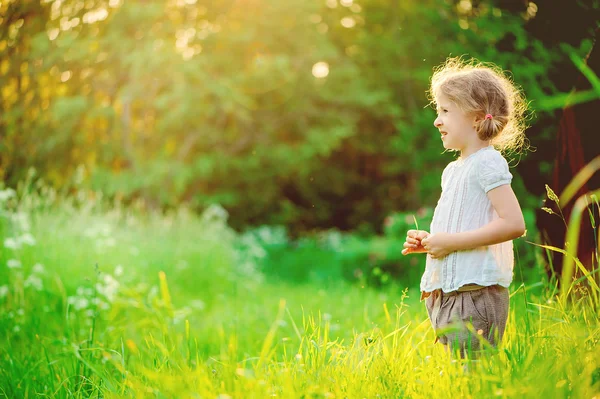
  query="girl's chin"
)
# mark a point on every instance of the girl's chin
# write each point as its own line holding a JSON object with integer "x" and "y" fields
{"x": 450, "y": 146}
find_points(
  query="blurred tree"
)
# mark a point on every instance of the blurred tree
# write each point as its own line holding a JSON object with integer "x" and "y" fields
{"x": 23, "y": 82}
{"x": 310, "y": 114}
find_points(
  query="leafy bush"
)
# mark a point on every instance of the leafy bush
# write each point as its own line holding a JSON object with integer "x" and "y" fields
{"x": 331, "y": 255}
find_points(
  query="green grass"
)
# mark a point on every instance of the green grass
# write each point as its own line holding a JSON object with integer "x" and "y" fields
{"x": 135, "y": 304}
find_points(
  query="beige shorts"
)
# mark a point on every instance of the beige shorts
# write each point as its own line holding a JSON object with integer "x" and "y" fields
{"x": 463, "y": 319}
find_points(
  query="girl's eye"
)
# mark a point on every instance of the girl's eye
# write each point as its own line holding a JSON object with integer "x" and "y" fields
{"x": 445, "y": 110}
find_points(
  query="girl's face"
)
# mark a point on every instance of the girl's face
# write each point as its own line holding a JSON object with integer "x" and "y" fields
{"x": 457, "y": 129}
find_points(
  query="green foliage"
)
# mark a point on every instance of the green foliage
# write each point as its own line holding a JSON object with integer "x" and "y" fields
{"x": 331, "y": 256}
{"x": 307, "y": 114}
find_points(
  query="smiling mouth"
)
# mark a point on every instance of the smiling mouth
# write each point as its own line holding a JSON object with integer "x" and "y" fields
{"x": 443, "y": 133}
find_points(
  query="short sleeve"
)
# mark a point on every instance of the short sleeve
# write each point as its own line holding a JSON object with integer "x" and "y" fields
{"x": 492, "y": 171}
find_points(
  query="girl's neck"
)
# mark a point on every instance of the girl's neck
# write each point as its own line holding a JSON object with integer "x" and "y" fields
{"x": 472, "y": 149}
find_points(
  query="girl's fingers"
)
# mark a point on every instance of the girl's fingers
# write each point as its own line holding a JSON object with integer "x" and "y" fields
{"x": 422, "y": 235}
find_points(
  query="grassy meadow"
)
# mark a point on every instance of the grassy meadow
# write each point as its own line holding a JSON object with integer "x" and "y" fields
{"x": 303, "y": 114}
{"x": 102, "y": 300}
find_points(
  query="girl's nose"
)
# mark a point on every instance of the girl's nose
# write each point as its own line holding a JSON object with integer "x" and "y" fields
{"x": 437, "y": 122}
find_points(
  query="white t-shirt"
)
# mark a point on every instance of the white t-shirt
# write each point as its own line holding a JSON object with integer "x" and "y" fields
{"x": 464, "y": 206}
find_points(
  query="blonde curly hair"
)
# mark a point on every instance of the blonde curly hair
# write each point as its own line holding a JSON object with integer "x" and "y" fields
{"x": 479, "y": 89}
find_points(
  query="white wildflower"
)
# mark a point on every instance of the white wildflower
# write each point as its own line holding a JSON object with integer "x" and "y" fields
{"x": 106, "y": 230}
{"x": 101, "y": 304}
{"x": 197, "y": 304}
{"x": 13, "y": 264}
{"x": 21, "y": 219}
{"x": 90, "y": 233}
{"x": 3, "y": 291}
{"x": 118, "y": 270}
{"x": 11, "y": 243}
{"x": 265, "y": 234}
{"x": 38, "y": 268}
{"x": 78, "y": 302}
{"x": 6, "y": 194}
{"x": 110, "y": 281}
{"x": 17, "y": 329}
{"x": 34, "y": 282}
{"x": 258, "y": 252}
{"x": 109, "y": 288}
{"x": 28, "y": 239}
{"x": 214, "y": 213}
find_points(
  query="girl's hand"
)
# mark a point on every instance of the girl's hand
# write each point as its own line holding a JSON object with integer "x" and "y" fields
{"x": 412, "y": 245}
{"x": 438, "y": 245}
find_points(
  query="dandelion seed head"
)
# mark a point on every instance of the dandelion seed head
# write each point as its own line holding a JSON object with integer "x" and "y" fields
{"x": 13, "y": 264}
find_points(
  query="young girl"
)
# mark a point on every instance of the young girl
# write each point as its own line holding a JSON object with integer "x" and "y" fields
{"x": 469, "y": 248}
